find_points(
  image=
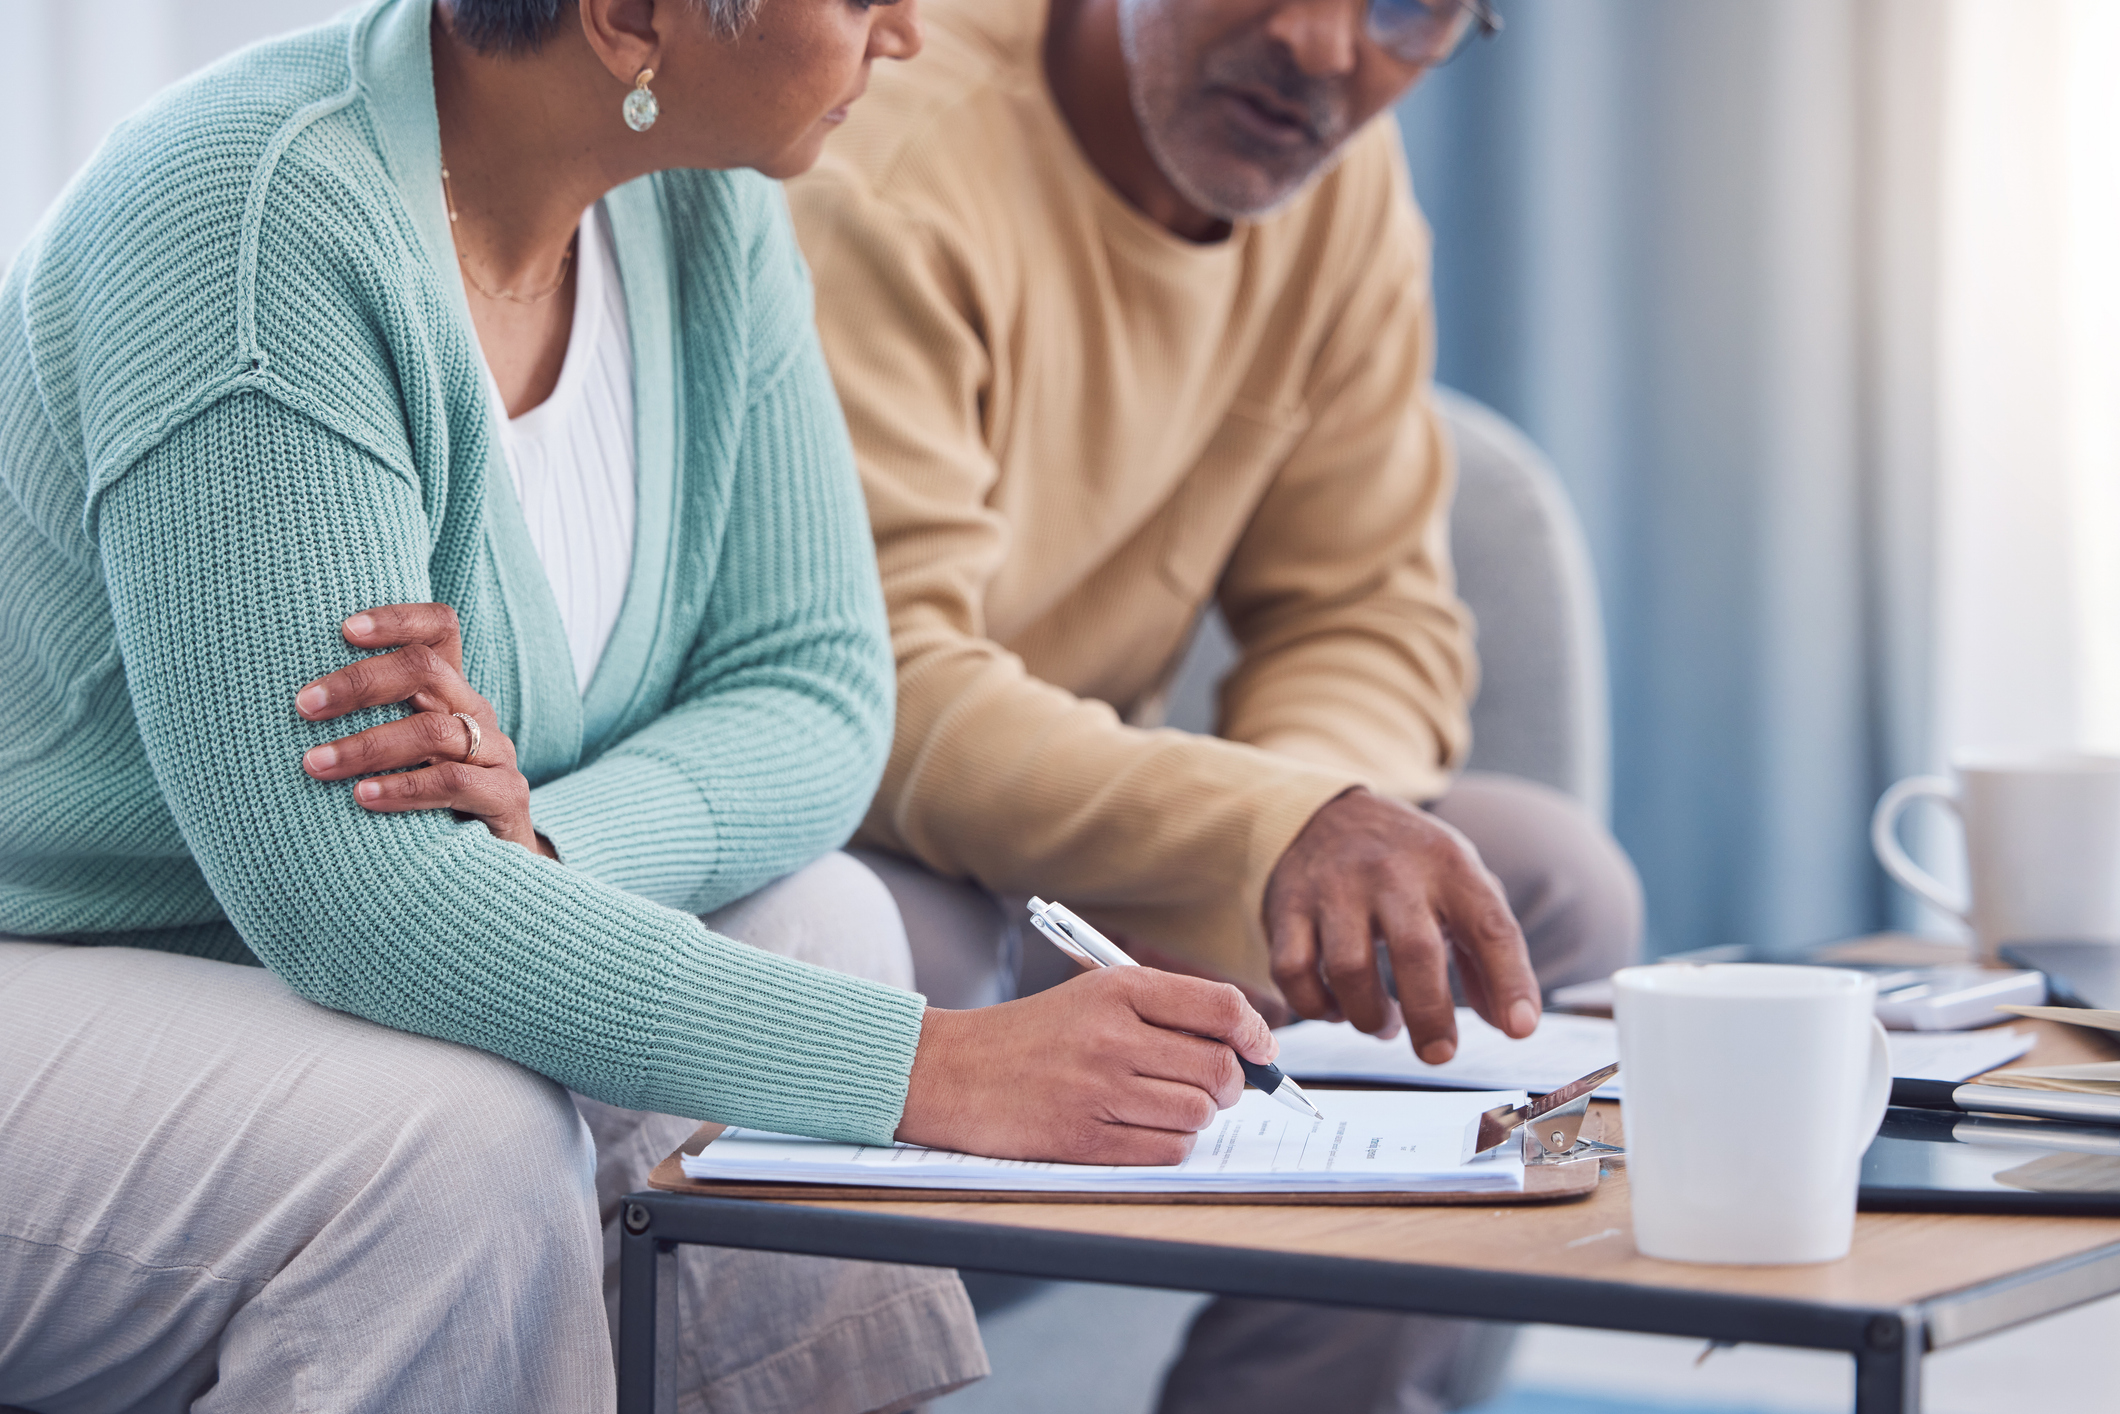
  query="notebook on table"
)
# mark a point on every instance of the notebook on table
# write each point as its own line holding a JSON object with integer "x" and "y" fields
{"x": 1373, "y": 1147}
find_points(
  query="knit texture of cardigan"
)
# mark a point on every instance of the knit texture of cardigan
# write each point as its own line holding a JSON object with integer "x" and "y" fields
{"x": 240, "y": 400}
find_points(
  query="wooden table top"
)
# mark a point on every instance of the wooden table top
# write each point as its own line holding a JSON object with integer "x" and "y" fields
{"x": 1898, "y": 1258}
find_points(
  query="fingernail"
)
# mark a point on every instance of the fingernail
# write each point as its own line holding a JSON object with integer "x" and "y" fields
{"x": 368, "y": 790}
{"x": 321, "y": 758}
{"x": 360, "y": 625}
{"x": 310, "y": 700}
{"x": 1523, "y": 1017}
{"x": 1436, "y": 1052}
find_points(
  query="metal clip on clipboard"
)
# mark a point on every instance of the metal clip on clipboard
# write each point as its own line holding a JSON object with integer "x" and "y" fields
{"x": 1551, "y": 1129}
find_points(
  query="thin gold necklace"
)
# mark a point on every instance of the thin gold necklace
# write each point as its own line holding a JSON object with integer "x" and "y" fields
{"x": 566, "y": 260}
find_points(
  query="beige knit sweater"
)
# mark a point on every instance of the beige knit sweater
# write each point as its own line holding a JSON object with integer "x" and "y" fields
{"x": 1075, "y": 429}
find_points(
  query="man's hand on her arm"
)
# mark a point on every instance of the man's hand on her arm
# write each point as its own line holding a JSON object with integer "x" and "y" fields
{"x": 1366, "y": 868}
{"x": 1120, "y": 1066}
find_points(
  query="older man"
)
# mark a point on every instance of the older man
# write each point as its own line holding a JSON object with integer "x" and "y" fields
{"x": 1127, "y": 303}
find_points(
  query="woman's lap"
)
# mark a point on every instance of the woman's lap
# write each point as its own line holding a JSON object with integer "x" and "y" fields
{"x": 214, "y": 1183}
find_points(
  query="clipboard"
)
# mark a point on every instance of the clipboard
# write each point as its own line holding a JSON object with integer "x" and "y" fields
{"x": 1546, "y": 1182}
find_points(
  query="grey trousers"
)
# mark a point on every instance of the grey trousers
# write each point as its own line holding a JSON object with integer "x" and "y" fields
{"x": 216, "y": 1196}
{"x": 1579, "y": 903}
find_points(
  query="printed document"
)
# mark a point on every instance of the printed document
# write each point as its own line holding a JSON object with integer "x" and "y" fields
{"x": 1566, "y": 1047}
{"x": 1370, "y": 1141}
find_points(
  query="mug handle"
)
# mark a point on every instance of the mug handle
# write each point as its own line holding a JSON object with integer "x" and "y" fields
{"x": 1878, "y": 1095}
{"x": 1884, "y": 837}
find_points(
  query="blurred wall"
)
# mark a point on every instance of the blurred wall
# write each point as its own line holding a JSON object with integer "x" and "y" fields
{"x": 70, "y": 70}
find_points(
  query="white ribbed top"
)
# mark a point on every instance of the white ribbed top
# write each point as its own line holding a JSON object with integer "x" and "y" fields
{"x": 571, "y": 457}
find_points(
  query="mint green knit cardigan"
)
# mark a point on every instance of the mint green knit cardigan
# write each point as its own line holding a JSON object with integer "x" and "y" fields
{"x": 241, "y": 399}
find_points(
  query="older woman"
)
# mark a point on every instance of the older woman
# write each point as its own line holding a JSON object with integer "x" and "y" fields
{"x": 432, "y": 568}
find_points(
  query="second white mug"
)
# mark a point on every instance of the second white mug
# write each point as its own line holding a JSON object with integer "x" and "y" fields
{"x": 2042, "y": 846}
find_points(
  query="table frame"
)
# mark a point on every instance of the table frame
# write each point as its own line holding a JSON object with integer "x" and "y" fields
{"x": 1887, "y": 1343}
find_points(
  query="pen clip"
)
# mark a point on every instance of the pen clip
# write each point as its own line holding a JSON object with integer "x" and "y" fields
{"x": 1075, "y": 937}
{"x": 1056, "y": 932}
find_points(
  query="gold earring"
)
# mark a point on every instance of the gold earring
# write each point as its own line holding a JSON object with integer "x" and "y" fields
{"x": 640, "y": 107}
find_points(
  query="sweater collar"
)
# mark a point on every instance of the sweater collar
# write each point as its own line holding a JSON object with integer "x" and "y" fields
{"x": 393, "y": 65}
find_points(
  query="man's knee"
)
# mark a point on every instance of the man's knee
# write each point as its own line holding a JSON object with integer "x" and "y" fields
{"x": 1245, "y": 1355}
{"x": 1572, "y": 887}
{"x": 957, "y": 933}
{"x": 833, "y": 912}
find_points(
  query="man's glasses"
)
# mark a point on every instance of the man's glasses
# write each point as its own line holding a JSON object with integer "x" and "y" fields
{"x": 1428, "y": 32}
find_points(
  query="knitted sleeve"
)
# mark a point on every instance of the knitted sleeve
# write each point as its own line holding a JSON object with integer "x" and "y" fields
{"x": 783, "y": 709}
{"x": 232, "y": 551}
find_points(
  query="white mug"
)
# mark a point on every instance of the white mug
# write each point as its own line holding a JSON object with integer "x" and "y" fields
{"x": 1752, "y": 1091}
{"x": 2042, "y": 846}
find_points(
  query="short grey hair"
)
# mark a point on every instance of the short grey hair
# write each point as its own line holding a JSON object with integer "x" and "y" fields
{"x": 523, "y": 26}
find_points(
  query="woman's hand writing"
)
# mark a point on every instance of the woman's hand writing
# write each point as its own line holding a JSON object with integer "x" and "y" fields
{"x": 1121, "y": 1066}
{"x": 431, "y": 759}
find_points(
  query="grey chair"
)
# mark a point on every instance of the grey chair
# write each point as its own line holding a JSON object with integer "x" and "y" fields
{"x": 1524, "y": 571}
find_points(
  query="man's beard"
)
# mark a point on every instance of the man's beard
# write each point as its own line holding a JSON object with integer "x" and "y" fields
{"x": 1217, "y": 177}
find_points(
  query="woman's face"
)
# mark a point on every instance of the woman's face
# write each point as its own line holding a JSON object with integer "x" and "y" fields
{"x": 768, "y": 97}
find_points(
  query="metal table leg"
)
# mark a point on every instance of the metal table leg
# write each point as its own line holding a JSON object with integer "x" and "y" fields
{"x": 1888, "y": 1367}
{"x": 647, "y": 1316}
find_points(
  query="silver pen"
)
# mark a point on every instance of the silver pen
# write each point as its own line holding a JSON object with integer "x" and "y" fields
{"x": 1092, "y": 949}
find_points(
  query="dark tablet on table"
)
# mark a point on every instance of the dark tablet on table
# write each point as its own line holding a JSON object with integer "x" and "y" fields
{"x": 1939, "y": 1161}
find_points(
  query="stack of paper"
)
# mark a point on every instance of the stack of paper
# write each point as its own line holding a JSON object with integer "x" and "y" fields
{"x": 1566, "y": 1047}
{"x": 2089, "y": 1017}
{"x": 1954, "y": 1055}
{"x": 1369, "y": 1142}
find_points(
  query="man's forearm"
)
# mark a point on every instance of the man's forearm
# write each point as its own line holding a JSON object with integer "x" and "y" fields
{"x": 1010, "y": 781}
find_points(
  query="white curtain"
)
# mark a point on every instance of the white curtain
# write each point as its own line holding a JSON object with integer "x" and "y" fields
{"x": 2028, "y": 360}
{"x": 1689, "y": 245}
{"x": 1816, "y": 304}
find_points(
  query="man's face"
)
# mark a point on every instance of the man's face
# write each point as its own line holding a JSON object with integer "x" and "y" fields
{"x": 1243, "y": 101}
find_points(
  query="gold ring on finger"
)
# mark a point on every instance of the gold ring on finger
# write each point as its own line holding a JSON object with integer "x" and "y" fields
{"x": 470, "y": 725}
